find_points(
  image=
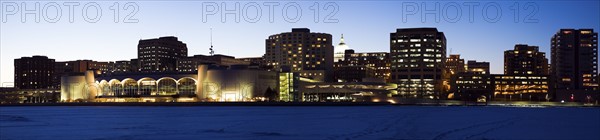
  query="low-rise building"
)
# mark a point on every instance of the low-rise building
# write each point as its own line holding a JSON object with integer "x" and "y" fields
{"x": 520, "y": 87}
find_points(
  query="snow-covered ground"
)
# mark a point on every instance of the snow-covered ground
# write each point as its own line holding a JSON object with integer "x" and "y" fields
{"x": 368, "y": 122}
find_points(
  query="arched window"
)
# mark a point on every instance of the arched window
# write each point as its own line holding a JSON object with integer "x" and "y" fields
{"x": 116, "y": 88}
{"x": 104, "y": 88}
{"x": 147, "y": 86}
{"x": 167, "y": 86}
{"x": 130, "y": 87}
{"x": 187, "y": 86}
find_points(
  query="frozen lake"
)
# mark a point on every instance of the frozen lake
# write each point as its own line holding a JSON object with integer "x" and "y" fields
{"x": 368, "y": 122}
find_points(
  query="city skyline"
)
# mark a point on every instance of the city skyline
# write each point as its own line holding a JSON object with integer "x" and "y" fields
{"x": 197, "y": 37}
{"x": 342, "y": 69}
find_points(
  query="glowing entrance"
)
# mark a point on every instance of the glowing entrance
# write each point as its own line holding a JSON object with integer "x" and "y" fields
{"x": 229, "y": 97}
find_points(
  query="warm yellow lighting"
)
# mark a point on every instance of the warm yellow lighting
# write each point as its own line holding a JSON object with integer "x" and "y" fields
{"x": 391, "y": 101}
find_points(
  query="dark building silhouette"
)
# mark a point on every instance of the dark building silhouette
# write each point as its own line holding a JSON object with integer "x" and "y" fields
{"x": 418, "y": 57}
{"x": 256, "y": 62}
{"x": 574, "y": 59}
{"x": 525, "y": 60}
{"x": 160, "y": 54}
{"x": 84, "y": 65}
{"x": 309, "y": 53}
{"x": 352, "y": 73}
{"x": 123, "y": 66}
{"x": 191, "y": 63}
{"x": 135, "y": 65}
{"x": 36, "y": 72}
{"x": 356, "y": 66}
{"x": 473, "y": 83}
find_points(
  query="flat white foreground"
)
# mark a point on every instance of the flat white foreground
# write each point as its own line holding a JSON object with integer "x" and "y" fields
{"x": 325, "y": 122}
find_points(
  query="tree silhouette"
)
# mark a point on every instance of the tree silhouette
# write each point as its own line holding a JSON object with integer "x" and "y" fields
{"x": 271, "y": 95}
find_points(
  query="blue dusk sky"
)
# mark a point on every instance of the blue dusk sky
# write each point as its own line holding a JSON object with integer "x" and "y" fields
{"x": 478, "y": 30}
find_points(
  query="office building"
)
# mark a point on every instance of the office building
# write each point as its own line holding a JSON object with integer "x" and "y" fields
{"x": 520, "y": 87}
{"x": 525, "y": 60}
{"x": 160, "y": 54}
{"x": 574, "y": 59}
{"x": 473, "y": 84}
{"x": 308, "y": 53}
{"x": 454, "y": 64}
{"x": 418, "y": 57}
{"x": 36, "y": 72}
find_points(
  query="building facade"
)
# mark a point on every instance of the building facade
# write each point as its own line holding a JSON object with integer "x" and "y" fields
{"x": 36, "y": 72}
{"x": 521, "y": 87}
{"x": 574, "y": 59}
{"x": 356, "y": 66}
{"x": 346, "y": 92}
{"x": 525, "y": 60}
{"x": 160, "y": 54}
{"x": 473, "y": 84}
{"x": 300, "y": 50}
{"x": 454, "y": 64}
{"x": 209, "y": 83}
{"x": 417, "y": 61}
{"x": 525, "y": 75}
{"x": 190, "y": 63}
{"x": 352, "y": 73}
{"x": 121, "y": 67}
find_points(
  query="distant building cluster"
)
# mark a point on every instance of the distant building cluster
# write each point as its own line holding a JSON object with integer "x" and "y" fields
{"x": 305, "y": 66}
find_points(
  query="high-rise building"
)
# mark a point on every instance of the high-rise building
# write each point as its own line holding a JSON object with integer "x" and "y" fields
{"x": 302, "y": 51}
{"x": 160, "y": 54}
{"x": 418, "y": 57}
{"x": 356, "y": 66}
{"x": 36, "y": 72}
{"x": 339, "y": 50}
{"x": 574, "y": 59}
{"x": 525, "y": 60}
{"x": 525, "y": 75}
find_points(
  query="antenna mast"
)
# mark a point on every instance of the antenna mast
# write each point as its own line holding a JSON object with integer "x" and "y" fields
{"x": 212, "y": 52}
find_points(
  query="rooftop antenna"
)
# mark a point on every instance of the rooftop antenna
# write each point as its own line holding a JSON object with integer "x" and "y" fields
{"x": 212, "y": 52}
{"x": 450, "y": 50}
